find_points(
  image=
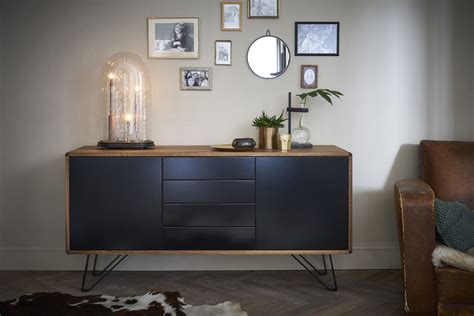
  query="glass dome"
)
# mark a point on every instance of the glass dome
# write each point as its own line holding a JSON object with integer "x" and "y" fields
{"x": 126, "y": 90}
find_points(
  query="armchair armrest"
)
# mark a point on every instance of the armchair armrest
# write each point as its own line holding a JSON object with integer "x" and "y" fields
{"x": 414, "y": 201}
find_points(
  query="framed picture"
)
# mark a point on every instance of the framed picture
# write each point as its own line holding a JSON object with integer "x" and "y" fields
{"x": 192, "y": 78}
{"x": 309, "y": 76}
{"x": 231, "y": 16}
{"x": 223, "y": 53}
{"x": 173, "y": 37}
{"x": 263, "y": 9}
{"x": 317, "y": 38}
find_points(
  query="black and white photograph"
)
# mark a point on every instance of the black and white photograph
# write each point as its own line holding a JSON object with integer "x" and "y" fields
{"x": 317, "y": 38}
{"x": 263, "y": 9}
{"x": 231, "y": 16}
{"x": 223, "y": 53}
{"x": 309, "y": 76}
{"x": 195, "y": 78}
{"x": 173, "y": 37}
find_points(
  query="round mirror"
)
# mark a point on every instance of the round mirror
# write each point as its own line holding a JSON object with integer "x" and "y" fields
{"x": 268, "y": 56}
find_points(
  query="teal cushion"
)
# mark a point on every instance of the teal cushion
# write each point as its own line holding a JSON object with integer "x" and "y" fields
{"x": 455, "y": 224}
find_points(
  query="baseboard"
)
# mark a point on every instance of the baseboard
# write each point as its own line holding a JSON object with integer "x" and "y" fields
{"x": 364, "y": 256}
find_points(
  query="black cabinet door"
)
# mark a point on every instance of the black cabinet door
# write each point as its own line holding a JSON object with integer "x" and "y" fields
{"x": 302, "y": 203}
{"x": 115, "y": 203}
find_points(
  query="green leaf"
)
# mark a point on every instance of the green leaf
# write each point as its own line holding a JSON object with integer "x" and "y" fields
{"x": 335, "y": 93}
{"x": 326, "y": 94}
{"x": 313, "y": 93}
{"x": 325, "y": 97}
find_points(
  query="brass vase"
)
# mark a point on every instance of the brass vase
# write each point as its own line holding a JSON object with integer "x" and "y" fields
{"x": 268, "y": 138}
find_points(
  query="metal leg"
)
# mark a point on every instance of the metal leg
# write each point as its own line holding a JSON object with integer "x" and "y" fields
{"x": 102, "y": 274}
{"x": 325, "y": 272}
{"x": 315, "y": 273}
{"x": 94, "y": 271}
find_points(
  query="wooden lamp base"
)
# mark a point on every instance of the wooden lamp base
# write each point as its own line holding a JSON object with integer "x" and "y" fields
{"x": 125, "y": 145}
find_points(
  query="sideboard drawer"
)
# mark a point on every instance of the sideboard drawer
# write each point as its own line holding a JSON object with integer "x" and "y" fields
{"x": 208, "y": 215}
{"x": 211, "y": 192}
{"x": 198, "y": 168}
{"x": 209, "y": 238}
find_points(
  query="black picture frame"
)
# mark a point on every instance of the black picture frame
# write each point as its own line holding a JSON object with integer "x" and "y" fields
{"x": 331, "y": 51}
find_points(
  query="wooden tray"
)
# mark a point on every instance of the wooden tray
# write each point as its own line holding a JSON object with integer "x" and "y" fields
{"x": 228, "y": 147}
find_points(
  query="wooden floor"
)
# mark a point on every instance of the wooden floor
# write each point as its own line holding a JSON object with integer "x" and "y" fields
{"x": 361, "y": 292}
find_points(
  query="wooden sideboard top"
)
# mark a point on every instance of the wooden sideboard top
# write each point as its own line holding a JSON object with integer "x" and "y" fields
{"x": 206, "y": 151}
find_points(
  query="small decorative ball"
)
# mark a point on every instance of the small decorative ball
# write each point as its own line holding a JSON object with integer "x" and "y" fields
{"x": 243, "y": 143}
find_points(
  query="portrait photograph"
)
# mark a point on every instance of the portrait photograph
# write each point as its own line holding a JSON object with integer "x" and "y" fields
{"x": 263, "y": 9}
{"x": 231, "y": 16}
{"x": 223, "y": 53}
{"x": 317, "y": 38}
{"x": 309, "y": 76}
{"x": 195, "y": 78}
{"x": 173, "y": 37}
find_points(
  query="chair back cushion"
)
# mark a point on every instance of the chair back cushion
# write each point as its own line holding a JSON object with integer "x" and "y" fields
{"x": 448, "y": 167}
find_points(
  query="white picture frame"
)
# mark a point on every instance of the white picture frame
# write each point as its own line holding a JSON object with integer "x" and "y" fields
{"x": 173, "y": 38}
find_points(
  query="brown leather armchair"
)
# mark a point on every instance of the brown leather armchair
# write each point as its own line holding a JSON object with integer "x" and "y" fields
{"x": 447, "y": 172}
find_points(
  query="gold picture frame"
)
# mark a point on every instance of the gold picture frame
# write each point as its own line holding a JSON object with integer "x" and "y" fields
{"x": 264, "y": 9}
{"x": 231, "y": 16}
{"x": 223, "y": 53}
{"x": 174, "y": 38}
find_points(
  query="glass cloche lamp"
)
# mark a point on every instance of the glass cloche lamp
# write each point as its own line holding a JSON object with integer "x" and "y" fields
{"x": 126, "y": 96}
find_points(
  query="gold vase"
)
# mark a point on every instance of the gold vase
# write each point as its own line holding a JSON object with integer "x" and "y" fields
{"x": 268, "y": 138}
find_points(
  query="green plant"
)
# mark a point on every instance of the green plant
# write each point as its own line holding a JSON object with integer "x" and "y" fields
{"x": 326, "y": 94}
{"x": 269, "y": 121}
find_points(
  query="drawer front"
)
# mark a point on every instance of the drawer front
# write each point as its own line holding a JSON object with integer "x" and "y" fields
{"x": 211, "y": 192}
{"x": 222, "y": 168}
{"x": 208, "y": 215}
{"x": 209, "y": 238}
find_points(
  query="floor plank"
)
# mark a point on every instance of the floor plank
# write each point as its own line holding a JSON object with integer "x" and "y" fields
{"x": 361, "y": 292}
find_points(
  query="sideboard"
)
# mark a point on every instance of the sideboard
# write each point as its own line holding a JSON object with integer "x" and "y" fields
{"x": 192, "y": 199}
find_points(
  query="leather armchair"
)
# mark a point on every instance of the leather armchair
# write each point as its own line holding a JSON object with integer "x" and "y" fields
{"x": 447, "y": 172}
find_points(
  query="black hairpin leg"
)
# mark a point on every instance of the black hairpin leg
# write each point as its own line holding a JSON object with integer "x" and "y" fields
{"x": 102, "y": 274}
{"x": 315, "y": 273}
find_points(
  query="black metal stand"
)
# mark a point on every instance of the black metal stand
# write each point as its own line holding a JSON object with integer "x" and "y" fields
{"x": 308, "y": 266}
{"x": 315, "y": 273}
{"x": 291, "y": 110}
{"x": 102, "y": 274}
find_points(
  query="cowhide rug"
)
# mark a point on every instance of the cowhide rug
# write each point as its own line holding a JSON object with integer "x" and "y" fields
{"x": 152, "y": 303}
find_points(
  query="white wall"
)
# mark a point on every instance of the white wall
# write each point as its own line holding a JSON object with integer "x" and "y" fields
{"x": 405, "y": 69}
{"x": 2, "y": 123}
